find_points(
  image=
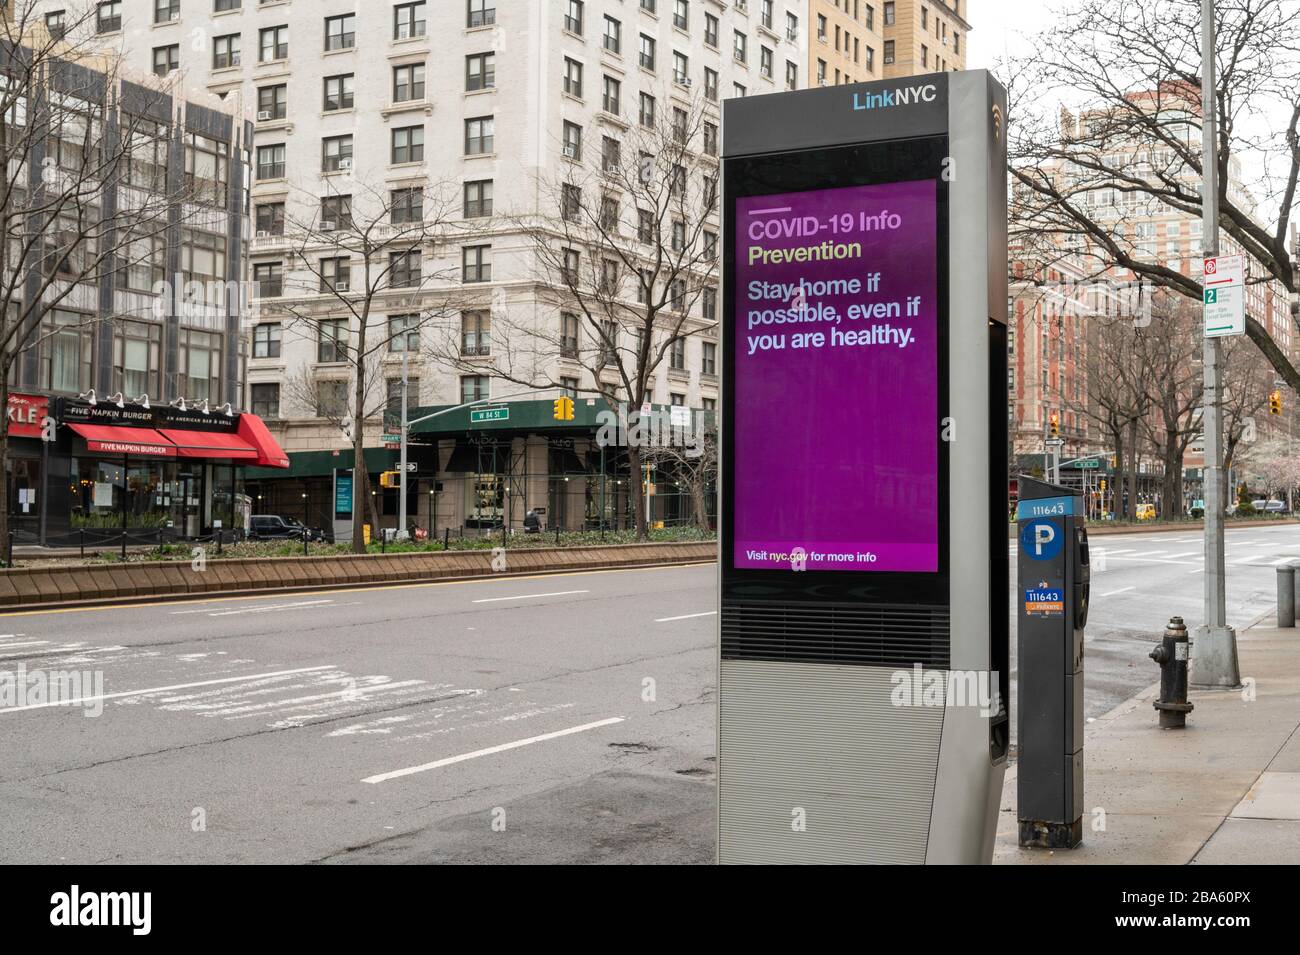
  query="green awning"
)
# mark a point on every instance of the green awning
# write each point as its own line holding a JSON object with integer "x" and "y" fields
{"x": 305, "y": 464}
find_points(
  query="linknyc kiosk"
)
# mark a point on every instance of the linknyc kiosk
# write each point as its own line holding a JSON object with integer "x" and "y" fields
{"x": 862, "y": 673}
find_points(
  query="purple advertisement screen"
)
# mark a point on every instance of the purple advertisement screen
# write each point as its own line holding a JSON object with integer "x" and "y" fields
{"x": 836, "y": 370}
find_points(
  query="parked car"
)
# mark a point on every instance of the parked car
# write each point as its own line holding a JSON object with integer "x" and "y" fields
{"x": 1146, "y": 512}
{"x": 270, "y": 527}
{"x": 1273, "y": 507}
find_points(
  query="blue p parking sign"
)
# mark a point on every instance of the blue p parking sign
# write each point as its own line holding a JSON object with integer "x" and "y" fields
{"x": 1041, "y": 540}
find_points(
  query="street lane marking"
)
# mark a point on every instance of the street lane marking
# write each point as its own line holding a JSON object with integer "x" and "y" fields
{"x": 438, "y": 763}
{"x": 686, "y": 616}
{"x": 161, "y": 689}
{"x": 558, "y": 593}
{"x": 1122, "y": 590}
{"x": 1186, "y": 553}
{"x": 268, "y": 609}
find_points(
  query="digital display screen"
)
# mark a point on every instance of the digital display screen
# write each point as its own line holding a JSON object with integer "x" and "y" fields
{"x": 835, "y": 364}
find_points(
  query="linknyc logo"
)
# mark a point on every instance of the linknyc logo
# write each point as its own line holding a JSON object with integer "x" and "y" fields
{"x": 899, "y": 96}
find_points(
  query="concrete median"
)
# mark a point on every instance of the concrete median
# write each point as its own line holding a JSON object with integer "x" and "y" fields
{"x": 50, "y": 587}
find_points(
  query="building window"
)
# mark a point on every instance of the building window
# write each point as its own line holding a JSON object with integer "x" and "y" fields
{"x": 710, "y": 30}
{"x": 336, "y": 153}
{"x": 200, "y": 365}
{"x": 109, "y": 17}
{"x": 408, "y": 144}
{"x": 476, "y": 263}
{"x": 572, "y": 141}
{"x": 573, "y": 17}
{"x": 65, "y": 351}
{"x": 145, "y": 267}
{"x": 473, "y": 388}
{"x": 272, "y": 102}
{"x": 475, "y": 333}
{"x": 266, "y": 340}
{"x": 408, "y": 20}
{"x": 889, "y": 14}
{"x": 569, "y": 386}
{"x": 568, "y": 335}
{"x": 273, "y": 44}
{"x": 404, "y": 269}
{"x": 482, "y": 13}
{"x": 573, "y": 77}
{"x": 612, "y": 95}
{"x": 889, "y": 52}
{"x": 478, "y": 198}
{"x": 136, "y": 365}
{"x": 406, "y": 205}
{"x": 647, "y": 111}
{"x": 268, "y": 279}
{"x": 710, "y": 85}
{"x": 341, "y": 32}
{"x": 677, "y": 354}
{"x": 408, "y": 83}
{"x": 166, "y": 59}
{"x": 335, "y": 274}
{"x": 331, "y": 399}
{"x": 791, "y": 75}
{"x": 613, "y": 39}
{"x": 338, "y": 92}
{"x": 681, "y": 14}
{"x": 681, "y": 68}
{"x": 765, "y": 62}
{"x": 332, "y": 342}
{"x": 709, "y": 359}
{"x": 207, "y": 169}
{"x": 741, "y": 48}
{"x": 611, "y": 152}
{"x": 165, "y": 11}
{"x": 265, "y": 400}
{"x": 225, "y": 51}
{"x": 393, "y": 410}
{"x": 335, "y": 213}
{"x": 709, "y": 304}
{"x": 480, "y": 71}
{"x": 404, "y": 333}
{"x": 203, "y": 262}
{"x": 478, "y": 136}
{"x": 646, "y": 55}
{"x": 570, "y": 201}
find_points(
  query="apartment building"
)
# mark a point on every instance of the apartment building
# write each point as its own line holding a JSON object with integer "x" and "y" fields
{"x": 134, "y": 295}
{"x": 485, "y": 97}
{"x": 923, "y": 36}
{"x": 856, "y": 41}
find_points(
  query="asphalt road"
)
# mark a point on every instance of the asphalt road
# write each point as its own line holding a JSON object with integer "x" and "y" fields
{"x": 565, "y": 718}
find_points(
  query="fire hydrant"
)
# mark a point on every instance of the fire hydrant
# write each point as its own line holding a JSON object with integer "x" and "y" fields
{"x": 1171, "y": 654}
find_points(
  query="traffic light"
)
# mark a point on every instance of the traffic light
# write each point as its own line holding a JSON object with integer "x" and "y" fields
{"x": 1054, "y": 424}
{"x": 390, "y": 479}
{"x": 1275, "y": 402}
{"x": 563, "y": 409}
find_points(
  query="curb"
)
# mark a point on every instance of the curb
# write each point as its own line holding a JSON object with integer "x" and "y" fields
{"x": 210, "y": 596}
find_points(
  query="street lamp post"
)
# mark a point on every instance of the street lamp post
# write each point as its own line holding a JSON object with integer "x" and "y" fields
{"x": 1214, "y": 649}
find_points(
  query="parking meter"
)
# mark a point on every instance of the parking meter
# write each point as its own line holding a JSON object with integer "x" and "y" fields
{"x": 1052, "y": 591}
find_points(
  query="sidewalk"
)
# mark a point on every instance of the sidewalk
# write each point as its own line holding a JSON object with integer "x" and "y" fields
{"x": 1224, "y": 790}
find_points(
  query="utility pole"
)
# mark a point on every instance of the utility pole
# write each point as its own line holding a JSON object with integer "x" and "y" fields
{"x": 1214, "y": 649}
{"x": 401, "y": 474}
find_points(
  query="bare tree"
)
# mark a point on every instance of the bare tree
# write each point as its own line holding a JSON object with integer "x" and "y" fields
{"x": 625, "y": 249}
{"x": 694, "y": 464}
{"x": 365, "y": 284}
{"x": 65, "y": 131}
{"x": 1166, "y": 350}
{"x": 1134, "y": 66}
{"x": 1248, "y": 378}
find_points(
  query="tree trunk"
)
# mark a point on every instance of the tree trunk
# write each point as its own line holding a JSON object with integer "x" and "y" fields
{"x": 635, "y": 491}
{"x": 1117, "y": 480}
{"x": 1131, "y": 510}
{"x": 699, "y": 501}
{"x": 360, "y": 487}
{"x": 1172, "y": 505}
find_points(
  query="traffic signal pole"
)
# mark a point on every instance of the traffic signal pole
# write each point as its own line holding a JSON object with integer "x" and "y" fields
{"x": 401, "y": 479}
{"x": 1214, "y": 649}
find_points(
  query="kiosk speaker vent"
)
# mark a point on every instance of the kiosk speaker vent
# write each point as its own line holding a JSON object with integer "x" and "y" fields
{"x": 837, "y": 634}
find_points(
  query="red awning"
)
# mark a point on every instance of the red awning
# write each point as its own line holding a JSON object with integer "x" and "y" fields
{"x": 269, "y": 453}
{"x": 209, "y": 444}
{"x": 108, "y": 439}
